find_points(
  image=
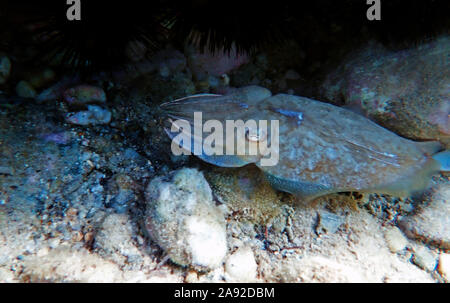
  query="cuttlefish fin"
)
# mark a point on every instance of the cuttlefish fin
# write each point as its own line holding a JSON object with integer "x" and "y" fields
{"x": 306, "y": 191}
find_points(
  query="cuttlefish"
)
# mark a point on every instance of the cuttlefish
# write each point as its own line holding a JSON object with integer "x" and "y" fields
{"x": 321, "y": 148}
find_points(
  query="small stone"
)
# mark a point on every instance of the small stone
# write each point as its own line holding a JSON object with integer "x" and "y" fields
{"x": 77, "y": 236}
{"x": 6, "y": 170}
{"x": 444, "y": 265}
{"x": 41, "y": 78}
{"x": 5, "y": 69}
{"x": 83, "y": 94}
{"x": 54, "y": 242}
{"x": 241, "y": 266}
{"x": 191, "y": 277}
{"x": 25, "y": 90}
{"x": 89, "y": 237}
{"x": 114, "y": 240}
{"x": 182, "y": 218}
{"x": 6, "y": 276}
{"x": 430, "y": 225}
{"x": 328, "y": 223}
{"x": 122, "y": 193}
{"x": 424, "y": 258}
{"x": 95, "y": 115}
{"x": 72, "y": 213}
{"x": 395, "y": 239}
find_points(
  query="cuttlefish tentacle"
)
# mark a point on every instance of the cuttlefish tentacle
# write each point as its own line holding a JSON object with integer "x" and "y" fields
{"x": 323, "y": 148}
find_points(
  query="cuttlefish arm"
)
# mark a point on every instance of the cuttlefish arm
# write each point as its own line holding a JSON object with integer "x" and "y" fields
{"x": 213, "y": 107}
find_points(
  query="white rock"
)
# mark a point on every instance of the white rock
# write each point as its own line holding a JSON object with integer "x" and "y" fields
{"x": 93, "y": 116}
{"x": 184, "y": 220}
{"x": 424, "y": 258}
{"x": 395, "y": 239}
{"x": 241, "y": 266}
{"x": 6, "y": 276}
{"x": 114, "y": 240}
{"x": 444, "y": 265}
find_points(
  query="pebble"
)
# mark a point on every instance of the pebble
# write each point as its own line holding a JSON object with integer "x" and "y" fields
{"x": 42, "y": 78}
{"x": 122, "y": 186}
{"x": 328, "y": 223}
{"x": 431, "y": 224}
{"x": 114, "y": 239}
{"x": 182, "y": 218}
{"x": 395, "y": 239}
{"x": 25, "y": 90}
{"x": 57, "y": 90}
{"x": 83, "y": 94}
{"x": 424, "y": 258}
{"x": 191, "y": 277}
{"x": 444, "y": 265}
{"x": 241, "y": 266}
{"x": 95, "y": 115}
{"x": 5, "y": 69}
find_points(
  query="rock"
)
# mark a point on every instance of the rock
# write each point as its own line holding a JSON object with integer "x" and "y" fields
{"x": 431, "y": 224}
{"x": 93, "y": 116}
{"x": 390, "y": 89}
{"x": 83, "y": 94}
{"x": 191, "y": 277}
{"x": 68, "y": 265}
{"x": 57, "y": 90}
{"x": 41, "y": 78}
{"x": 395, "y": 239}
{"x": 424, "y": 258}
{"x": 444, "y": 265}
{"x": 328, "y": 223}
{"x": 123, "y": 194}
{"x": 181, "y": 217}
{"x": 5, "y": 68}
{"x": 241, "y": 266}
{"x": 114, "y": 240}
{"x": 6, "y": 276}
{"x": 25, "y": 90}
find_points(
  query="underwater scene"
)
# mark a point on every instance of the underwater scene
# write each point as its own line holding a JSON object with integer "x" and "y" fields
{"x": 199, "y": 141}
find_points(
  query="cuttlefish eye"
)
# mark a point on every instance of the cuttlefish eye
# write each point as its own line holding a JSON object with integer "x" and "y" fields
{"x": 257, "y": 135}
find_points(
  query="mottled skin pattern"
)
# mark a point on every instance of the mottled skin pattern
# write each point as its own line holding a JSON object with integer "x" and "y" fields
{"x": 327, "y": 150}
